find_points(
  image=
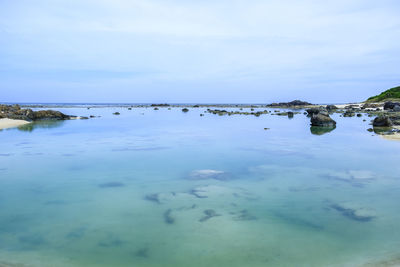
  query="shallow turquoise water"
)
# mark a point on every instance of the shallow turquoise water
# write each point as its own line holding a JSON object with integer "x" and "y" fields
{"x": 123, "y": 191}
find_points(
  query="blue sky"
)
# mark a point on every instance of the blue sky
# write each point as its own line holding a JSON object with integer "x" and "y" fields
{"x": 197, "y": 51}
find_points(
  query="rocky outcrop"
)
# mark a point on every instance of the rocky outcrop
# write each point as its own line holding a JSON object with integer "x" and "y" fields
{"x": 315, "y": 111}
{"x": 331, "y": 108}
{"x": 290, "y": 104}
{"x": 395, "y": 106}
{"x": 382, "y": 121}
{"x": 15, "y": 112}
{"x": 322, "y": 119}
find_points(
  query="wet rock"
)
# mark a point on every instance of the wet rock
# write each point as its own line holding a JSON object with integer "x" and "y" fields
{"x": 185, "y": 110}
{"x": 359, "y": 115}
{"x": 155, "y": 108}
{"x": 15, "y": 112}
{"x": 116, "y": 113}
{"x": 322, "y": 120}
{"x": 390, "y": 105}
{"x": 208, "y": 215}
{"x": 315, "y": 111}
{"x": 331, "y": 108}
{"x": 355, "y": 211}
{"x": 382, "y": 121}
{"x": 348, "y": 113}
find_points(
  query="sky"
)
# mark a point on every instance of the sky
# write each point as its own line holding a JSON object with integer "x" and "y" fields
{"x": 209, "y": 51}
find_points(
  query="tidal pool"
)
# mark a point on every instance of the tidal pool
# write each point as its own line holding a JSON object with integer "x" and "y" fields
{"x": 166, "y": 188}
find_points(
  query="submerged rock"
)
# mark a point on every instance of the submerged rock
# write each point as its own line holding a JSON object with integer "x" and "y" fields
{"x": 209, "y": 214}
{"x": 209, "y": 174}
{"x": 243, "y": 215}
{"x": 323, "y": 120}
{"x": 355, "y": 211}
{"x": 168, "y": 217}
{"x": 111, "y": 184}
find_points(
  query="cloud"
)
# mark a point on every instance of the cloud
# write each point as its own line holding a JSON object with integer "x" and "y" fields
{"x": 290, "y": 47}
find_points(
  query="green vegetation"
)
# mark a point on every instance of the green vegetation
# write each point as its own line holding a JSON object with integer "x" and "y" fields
{"x": 391, "y": 94}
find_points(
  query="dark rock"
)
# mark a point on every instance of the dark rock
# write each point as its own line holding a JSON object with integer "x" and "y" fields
{"x": 15, "y": 112}
{"x": 159, "y": 105}
{"x": 116, "y": 113}
{"x": 359, "y": 115}
{"x": 290, "y": 104}
{"x": 155, "y": 108}
{"x": 382, "y": 121}
{"x": 390, "y": 105}
{"x": 322, "y": 120}
{"x": 312, "y": 111}
{"x": 331, "y": 107}
{"x": 349, "y": 113}
{"x": 185, "y": 110}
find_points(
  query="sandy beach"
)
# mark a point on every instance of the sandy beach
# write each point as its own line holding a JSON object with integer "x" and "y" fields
{"x": 8, "y": 123}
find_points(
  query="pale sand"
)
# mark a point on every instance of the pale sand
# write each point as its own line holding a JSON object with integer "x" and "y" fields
{"x": 8, "y": 123}
{"x": 395, "y": 136}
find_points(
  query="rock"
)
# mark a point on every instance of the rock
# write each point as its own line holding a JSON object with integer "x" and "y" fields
{"x": 185, "y": 110}
{"x": 359, "y": 115}
{"x": 312, "y": 111}
{"x": 15, "y": 112}
{"x": 155, "y": 108}
{"x": 382, "y": 121}
{"x": 290, "y": 114}
{"x": 390, "y": 105}
{"x": 209, "y": 174}
{"x": 355, "y": 211}
{"x": 168, "y": 219}
{"x": 290, "y": 104}
{"x": 209, "y": 214}
{"x": 348, "y": 113}
{"x": 116, "y": 113}
{"x": 396, "y": 108}
{"x": 322, "y": 120}
{"x": 331, "y": 107}
{"x": 159, "y": 105}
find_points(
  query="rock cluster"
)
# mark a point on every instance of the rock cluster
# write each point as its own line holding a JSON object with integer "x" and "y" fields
{"x": 290, "y": 104}
{"x": 15, "y": 112}
{"x": 393, "y": 106}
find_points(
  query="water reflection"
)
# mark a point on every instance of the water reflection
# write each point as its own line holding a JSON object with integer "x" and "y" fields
{"x": 319, "y": 130}
{"x": 46, "y": 124}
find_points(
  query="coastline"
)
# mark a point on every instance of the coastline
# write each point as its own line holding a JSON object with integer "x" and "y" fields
{"x": 392, "y": 137}
{"x": 9, "y": 123}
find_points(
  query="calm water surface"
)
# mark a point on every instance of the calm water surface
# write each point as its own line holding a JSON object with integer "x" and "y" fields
{"x": 167, "y": 188}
